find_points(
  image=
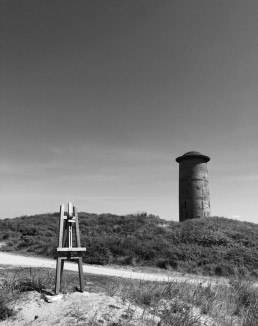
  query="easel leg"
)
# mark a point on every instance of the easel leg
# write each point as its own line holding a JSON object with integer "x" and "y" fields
{"x": 61, "y": 273}
{"x": 58, "y": 275}
{"x": 81, "y": 274}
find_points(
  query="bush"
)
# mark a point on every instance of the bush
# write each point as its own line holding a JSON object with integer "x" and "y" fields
{"x": 162, "y": 263}
{"x": 173, "y": 263}
{"x": 6, "y": 236}
{"x": 224, "y": 269}
{"x": 127, "y": 260}
{"x": 97, "y": 253}
{"x": 5, "y": 311}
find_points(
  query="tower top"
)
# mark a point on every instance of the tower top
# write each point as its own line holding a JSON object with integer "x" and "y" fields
{"x": 192, "y": 154}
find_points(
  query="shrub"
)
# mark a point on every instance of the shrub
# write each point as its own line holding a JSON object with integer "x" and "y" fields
{"x": 127, "y": 260}
{"x": 173, "y": 263}
{"x": 97, "y": 253}
{"x": 224, "y": 269}
{"x": 6, "y": 236}
{"x": 5, "y": 311}
{"x": 162, "y": 263}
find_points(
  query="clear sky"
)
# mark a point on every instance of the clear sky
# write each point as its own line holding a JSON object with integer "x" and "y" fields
{"x": 99, "y": 97}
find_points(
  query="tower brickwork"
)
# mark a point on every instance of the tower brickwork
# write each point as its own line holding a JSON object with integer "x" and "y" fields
{"x": 194, "y": 196}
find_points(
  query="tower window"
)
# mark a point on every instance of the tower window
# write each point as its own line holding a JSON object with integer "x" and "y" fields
{"x": 185, "y": 204}
{"x": 202, "y": 204}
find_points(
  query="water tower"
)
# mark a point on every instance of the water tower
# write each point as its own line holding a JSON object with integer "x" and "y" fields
{"x": 194, "y": 196}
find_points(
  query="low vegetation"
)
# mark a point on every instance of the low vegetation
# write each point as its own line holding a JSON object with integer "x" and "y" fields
{"x": 180, "y": 304}
{"x": 211, "y": 246}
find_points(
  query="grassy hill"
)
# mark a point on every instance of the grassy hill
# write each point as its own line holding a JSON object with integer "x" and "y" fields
{"x": 211, "y": 246}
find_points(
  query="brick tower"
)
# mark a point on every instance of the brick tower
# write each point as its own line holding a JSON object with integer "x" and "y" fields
{"x": 194, "y": 197}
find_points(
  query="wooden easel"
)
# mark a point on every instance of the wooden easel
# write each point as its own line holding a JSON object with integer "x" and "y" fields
{"x": 68, "y": 225}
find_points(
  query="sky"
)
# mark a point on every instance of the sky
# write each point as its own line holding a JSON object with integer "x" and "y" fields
{"x": 99, "y": 97}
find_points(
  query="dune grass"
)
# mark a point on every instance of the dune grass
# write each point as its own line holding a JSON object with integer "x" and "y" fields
{"x": 180, "y": 304}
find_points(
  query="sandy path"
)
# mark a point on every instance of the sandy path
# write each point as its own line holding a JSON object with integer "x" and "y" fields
{"x": 16, "y": 260}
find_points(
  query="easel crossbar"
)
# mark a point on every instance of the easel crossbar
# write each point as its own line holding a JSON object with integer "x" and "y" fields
{"x": 71, "y": 249}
